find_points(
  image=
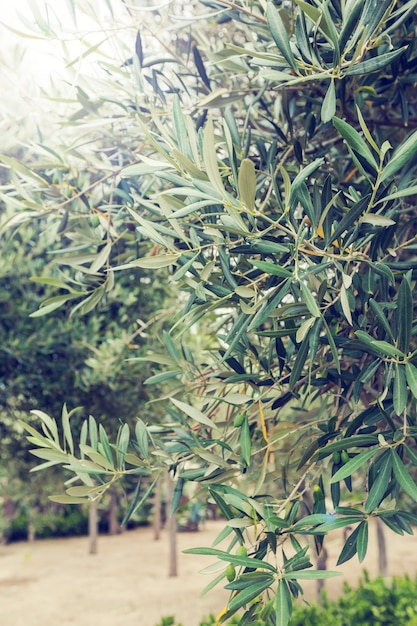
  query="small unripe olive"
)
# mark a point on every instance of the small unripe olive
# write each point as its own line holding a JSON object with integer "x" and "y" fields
{"x": 317, "y": 493}
{"x": 95, "y": 221}
{"x": 344, "y": 456}
{"x": 336, "y": 457}
{"x": 230, "y": 573}
{"x": 241, "y": 551}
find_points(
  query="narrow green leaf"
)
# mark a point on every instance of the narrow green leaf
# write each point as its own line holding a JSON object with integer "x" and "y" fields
{"x": 403, "y": 477}
{"x": 402, "y": 193}
{"x": 382, "y": 347}
{"x": 210, "y": 158}
{"x": 304, "y": 328}
{"x": 151, "y": 262}
{"x": 309, "y": 520}
{"x": 310, "y": 575}
{"x": 148, "y": 229}
{"x": 213, "y": 583}
{"x": 140, "y": 169}
{"x": 68, "y": 499}
{"x": 105, "y": 444}
{"x": 366, "y": 131}
{"x": 352, "y": 465}
{"x": 135, "y": 503}
{"x": 328, "y": 108}
{"x": 377, "y": 220}
{"x": 52, "y": 306}
{"x": 176, "y": 495}
{"x": 180, "y": 128}
{"x": 264, "y": 246}
{"x": 100, "y": 259}
{"x": 266, "y": 310}
{"x": 245, "y": 442}
{"x": 170, "y": 345}
{"x": 194, "y": 413}
{"x": 320, "y": 21}
{"x": 350, "y": 218}
{"x": 337, "y": 522}
{"x": 411, "y": 374}
{"x": 380, "y": 317}
{"x": 93, "y": 432}
{"x": 50, "y": 455}
{"x": 242, "y": 561}
{"x": 142, "y": 438}
{"x": 188, "y": 165}
{"x": 240, "y": 522}
{"x": 132, "y": 459}
{"x": 247, "y": 579}
{"x": 279, "y": 34}
{"x": 309, "y": 300}
{"x": 84, "y": 490}
{"x": 400, "y": 390}
{"x": 304, "y": 174}
{"x": 300, "y": 361}
{"x": 344, "y": 301}
{"x": 123, "y": 438}
{"x": 162, "y": 377}
{"x": 97, "y": 458}
{"x": 355, "y": 141}
{"x": 381, "y": 480}
{"x": 49, "y": 423}
{"x": 247, "y": 595}
{"x": 283, "y": 604}
{"x": 67, "y": 428}
{"x": 401, "y": 156}
{"x": 247, "y": 183}
{"x": 350, "y": 548}
{"x": 374, "y": 64}
{"x": 405, "y": 312}
{"x": 362, "y": 540}
{"x": 271, "y": 268}
{"x": 332, "y": 345}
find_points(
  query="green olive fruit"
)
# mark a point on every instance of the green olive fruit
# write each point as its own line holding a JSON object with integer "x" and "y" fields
{"x": 241, "y": 551}
{"x": 336, "y": 457}
{"x": 317, "y": 493}
{"x": 230, "y": 573}
{"x": 94, "y": 221}
{"x": 344, "y": 456}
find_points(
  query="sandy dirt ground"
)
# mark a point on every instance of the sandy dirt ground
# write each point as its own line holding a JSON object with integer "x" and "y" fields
{"x": 57, "y": 583}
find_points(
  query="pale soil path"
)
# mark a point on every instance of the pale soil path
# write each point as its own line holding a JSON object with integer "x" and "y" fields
{"x": 56, "y": 583}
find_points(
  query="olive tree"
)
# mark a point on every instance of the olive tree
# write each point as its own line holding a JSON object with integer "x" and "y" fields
{"x": 273, "y": 176}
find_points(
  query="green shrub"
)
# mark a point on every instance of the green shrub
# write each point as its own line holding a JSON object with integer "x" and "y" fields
{"x": 72, "y": 522}
{"x": 373, "y": 603}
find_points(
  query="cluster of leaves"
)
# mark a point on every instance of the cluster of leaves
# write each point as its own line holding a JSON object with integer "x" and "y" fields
{"x": 275, "y": 181}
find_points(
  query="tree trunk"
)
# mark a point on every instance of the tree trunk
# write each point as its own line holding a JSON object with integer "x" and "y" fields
{"x": 114, "y": 526}
{"x": 31, "y": 524}
{"x": 382, "y": 548}
{"x": 92, "y": 527}
{"x": 172, "y": 530}
{"x": 157, "y": 511}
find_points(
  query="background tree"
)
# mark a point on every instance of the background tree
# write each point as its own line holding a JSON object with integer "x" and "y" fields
{"x": 275, "y": 178}
{"x": 46, "y": 361}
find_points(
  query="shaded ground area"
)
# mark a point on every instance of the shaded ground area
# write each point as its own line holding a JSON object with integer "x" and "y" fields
{"x": 56, "y": 583}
